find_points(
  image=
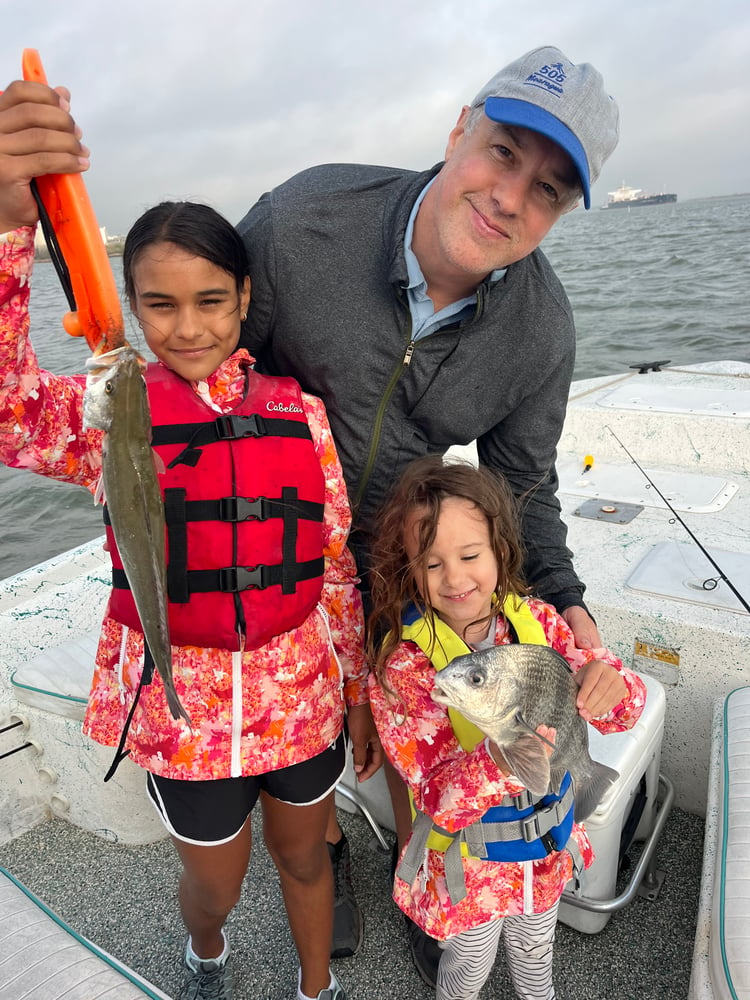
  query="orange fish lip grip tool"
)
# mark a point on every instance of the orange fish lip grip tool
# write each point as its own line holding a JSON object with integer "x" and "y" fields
{"x": 98, "y": 314}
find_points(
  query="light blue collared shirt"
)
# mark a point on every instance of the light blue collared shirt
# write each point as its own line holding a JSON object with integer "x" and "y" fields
{"x": 424, "y": 319}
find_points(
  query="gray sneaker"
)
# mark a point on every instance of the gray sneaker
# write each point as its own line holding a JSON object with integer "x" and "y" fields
{"x": 334, "y": 992}
{"x": 208, "y": 980}
{"x": 347, "y": 916}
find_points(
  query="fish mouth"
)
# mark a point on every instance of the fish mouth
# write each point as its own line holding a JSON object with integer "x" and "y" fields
{"x": 99, "y": 364}
{"x": 439, "y": 695}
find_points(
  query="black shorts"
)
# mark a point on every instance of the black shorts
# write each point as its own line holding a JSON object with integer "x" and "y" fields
{"x": 214, "y": 811}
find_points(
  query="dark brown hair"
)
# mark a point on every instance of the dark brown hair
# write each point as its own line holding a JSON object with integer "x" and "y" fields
{"x": 195, "y": 228}
{"x": 424, "y": 485}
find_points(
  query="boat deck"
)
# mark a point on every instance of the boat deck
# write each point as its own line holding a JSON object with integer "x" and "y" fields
{"x": 124, "y": 898}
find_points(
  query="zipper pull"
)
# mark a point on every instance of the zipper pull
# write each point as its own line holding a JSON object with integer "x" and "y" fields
{"x": 409, "y": 352}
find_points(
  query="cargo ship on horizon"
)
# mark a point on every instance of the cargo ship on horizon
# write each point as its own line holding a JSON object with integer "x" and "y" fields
{"x": 627, "y": 197}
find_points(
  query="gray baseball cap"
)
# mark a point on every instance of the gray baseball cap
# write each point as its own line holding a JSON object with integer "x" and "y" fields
{"x": 545, "y": 92}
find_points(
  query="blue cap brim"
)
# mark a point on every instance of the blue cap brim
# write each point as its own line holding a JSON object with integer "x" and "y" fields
{"x": 510, "y": 111}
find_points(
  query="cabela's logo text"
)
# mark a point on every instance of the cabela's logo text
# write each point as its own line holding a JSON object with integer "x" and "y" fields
{"x": 283, "y": 407}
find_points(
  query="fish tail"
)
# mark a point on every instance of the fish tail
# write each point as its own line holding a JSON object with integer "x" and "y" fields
{"x": 175, "y": 705}
{"x": 590, "y": 793}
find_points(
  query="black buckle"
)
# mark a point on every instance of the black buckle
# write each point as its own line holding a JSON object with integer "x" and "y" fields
{"x": 548, "y": 842}
{"x": 234, "y": 579}
{"x": 242, "y": 509}
{"x": 231, "y": 426}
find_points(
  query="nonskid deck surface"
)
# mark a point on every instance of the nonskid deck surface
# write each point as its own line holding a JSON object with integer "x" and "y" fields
{"x": 124, "y": 899}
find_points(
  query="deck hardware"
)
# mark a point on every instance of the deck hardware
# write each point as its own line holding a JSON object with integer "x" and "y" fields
{"x": 13, "y": 725}
{"x": 21, "y": 746}
{"x": 609, "y": 510}
{"x": 644, "y": 367}
{"x": 381, "y": 843}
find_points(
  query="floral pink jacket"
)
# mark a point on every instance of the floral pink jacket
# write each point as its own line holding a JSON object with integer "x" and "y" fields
{"x": 457, "y": 787}
{"x": 251, "y": 712}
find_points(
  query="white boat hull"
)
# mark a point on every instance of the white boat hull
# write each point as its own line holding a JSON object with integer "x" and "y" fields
{"x": 60, "y": 772}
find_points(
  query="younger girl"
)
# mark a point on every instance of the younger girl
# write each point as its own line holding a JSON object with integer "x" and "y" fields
{"x": 445, "y": 578}
{"x": 266, "y": 702}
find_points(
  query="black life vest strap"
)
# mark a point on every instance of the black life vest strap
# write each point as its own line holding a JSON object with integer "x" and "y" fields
{"x": 178, "y": 510}
{"x": 226, "y": 427}
{"x": 175, "y": 517}
{"x": 147, "y": 675}
{"x": 234, "y": 579}
{"x": 229, "y": 427}
{"x": 289, "y": 539}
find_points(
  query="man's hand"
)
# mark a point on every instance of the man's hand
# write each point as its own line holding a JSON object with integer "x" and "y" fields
{"x": 366, "y": 746}
{"x": 601, "y": 687}
{"x": 583, "y": 627}
{"x": 37, "y": 136}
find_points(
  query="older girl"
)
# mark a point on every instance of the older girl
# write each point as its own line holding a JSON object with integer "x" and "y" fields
{"x": 265, "y": 672}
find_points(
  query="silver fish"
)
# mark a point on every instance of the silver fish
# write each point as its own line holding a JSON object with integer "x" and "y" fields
{"x": 116, "y": 402}
{"x": 507, "y": 692}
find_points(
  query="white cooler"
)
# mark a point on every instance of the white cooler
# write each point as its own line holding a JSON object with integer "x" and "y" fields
{"x": 636, "y": 755}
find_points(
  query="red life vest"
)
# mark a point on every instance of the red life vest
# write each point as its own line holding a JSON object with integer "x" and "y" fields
{"x": 243, "y": 499}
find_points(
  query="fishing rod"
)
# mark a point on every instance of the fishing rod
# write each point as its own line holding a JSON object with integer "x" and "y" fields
{"x": 710, "y": 580}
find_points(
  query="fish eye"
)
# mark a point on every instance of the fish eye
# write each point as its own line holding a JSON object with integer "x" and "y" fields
{"x": 108, "y": 387}
{"x": 476, "y": 677}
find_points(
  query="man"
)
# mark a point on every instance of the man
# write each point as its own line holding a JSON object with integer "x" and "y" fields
{"x": 418, "y": 306}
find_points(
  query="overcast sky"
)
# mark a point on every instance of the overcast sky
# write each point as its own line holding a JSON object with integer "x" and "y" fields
{"x": 218, "y": 100}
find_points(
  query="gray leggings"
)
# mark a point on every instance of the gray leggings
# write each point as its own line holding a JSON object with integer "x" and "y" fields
{"x": 467, "y": 959}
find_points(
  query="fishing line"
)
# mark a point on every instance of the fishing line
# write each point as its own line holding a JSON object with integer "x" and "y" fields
{"x": 53, "y": 246}
{"x": 676, "y": 516}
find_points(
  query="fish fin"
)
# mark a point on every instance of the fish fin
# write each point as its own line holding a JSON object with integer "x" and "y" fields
{"x": 589, "y": 795}
{"x": 159, "y": 464}
{"x": 99, "y": 494}
{"x": 529, "y": 762}
{"x": 556, "y": 779}
{"x": 520, "y": 721}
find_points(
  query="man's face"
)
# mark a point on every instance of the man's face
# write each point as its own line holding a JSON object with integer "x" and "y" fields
{"x": 499, "y": 193}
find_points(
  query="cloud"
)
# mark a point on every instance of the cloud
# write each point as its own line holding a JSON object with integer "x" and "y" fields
{"x": 222, "y": 99}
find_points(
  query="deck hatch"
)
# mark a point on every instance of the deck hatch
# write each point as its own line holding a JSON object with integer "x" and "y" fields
{"x": 680, "y": 571}
{"x": 623, "y": 483}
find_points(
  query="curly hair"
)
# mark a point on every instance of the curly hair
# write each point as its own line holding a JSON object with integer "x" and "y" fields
{"x": 423, "y": 486}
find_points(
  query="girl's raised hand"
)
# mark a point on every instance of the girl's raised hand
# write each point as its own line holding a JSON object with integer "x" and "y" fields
{"x": 37, "y": 136}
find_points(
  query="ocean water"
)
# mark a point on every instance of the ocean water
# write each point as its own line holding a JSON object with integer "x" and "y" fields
{"x": 649, "y": 283}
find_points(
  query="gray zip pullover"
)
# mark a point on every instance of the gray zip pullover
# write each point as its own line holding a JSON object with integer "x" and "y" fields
{"x": 328, "y": 307}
